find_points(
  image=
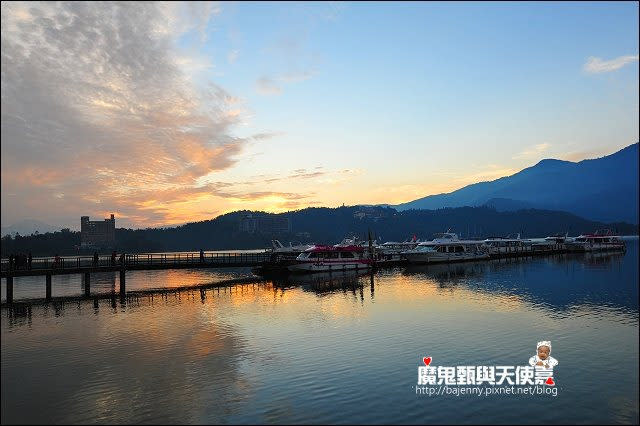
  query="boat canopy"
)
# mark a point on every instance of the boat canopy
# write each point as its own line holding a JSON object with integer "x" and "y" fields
{"x": 324, "y": 248}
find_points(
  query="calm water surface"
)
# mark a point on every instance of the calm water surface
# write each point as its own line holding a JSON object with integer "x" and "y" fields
{"x": 325, "y": 348}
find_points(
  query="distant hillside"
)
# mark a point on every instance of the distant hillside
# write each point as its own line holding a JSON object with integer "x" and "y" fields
{"x": 506, "y": 205}
{"x": 325, "y": 225}
{"x": 27, "y": 227}
{"x": 603, "y": 189}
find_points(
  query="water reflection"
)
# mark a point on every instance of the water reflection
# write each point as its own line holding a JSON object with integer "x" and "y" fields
{"x": 106, "y": 371}
{"x": 558, "y": 282}
{"x": 322, "y": 282}
{"x": 327, "y": 348}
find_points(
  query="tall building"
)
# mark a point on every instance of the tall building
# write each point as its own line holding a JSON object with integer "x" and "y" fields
{"x": 98, "y": 233}
{"x": 265, "y": 224}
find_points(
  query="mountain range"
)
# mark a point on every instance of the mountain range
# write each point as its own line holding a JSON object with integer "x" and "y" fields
{"x": 603, "y": 189}
{"x": 26, "y": 227}
{"x": 321, "y": 225}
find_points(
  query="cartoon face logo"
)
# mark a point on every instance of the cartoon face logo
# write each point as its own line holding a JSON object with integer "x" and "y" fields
{"x": 543, "y": 356}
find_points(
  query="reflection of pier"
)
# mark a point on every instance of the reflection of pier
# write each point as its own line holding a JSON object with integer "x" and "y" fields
{"x": 135, "y": 295}
{"x": 318, "y": 283}
{"x": 87, "y": 265}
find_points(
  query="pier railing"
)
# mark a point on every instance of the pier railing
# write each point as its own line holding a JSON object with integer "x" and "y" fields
{"x": 22, "y": 266}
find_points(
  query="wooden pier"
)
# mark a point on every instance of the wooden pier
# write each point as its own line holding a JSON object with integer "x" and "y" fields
{"x": 87, "y": 265}
{"x": 266, "y": 262}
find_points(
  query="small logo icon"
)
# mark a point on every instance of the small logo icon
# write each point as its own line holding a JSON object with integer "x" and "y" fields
{"x": 426, "y": 360}
{"x": 543, "y": 362}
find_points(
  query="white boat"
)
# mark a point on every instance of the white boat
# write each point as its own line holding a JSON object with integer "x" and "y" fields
{"x": 559, "y": 238}
{"x": 353, "y": 241}
{"x": 600, "y": 241}
{"x": 446, "y": 247}
{"x": 551, "y": 243}
{"x": 332, "y": 258}
{"x": 393, "y": 247}
{"x": 501, "y": 245}
{"x": 279, "y": 248}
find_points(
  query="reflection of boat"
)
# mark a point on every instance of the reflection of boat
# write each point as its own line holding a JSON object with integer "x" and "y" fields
{"x": 597, "y": 242}
{"x": 449, "y": 274}
{"x": 601, "y": 259}
{"x": 446, "y": 247}
{"x": 331, "y": 258}
{"x": 323, "y": 280}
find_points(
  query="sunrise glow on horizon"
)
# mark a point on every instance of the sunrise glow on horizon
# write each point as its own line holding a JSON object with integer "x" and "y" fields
{"x": 167, "y": 113}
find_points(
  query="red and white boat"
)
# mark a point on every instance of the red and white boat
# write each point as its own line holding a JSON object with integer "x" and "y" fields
{"x": 332, "y": 258}
{"x": 600, "y": 241}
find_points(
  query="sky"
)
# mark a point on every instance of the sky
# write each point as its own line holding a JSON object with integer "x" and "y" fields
{"x": 166, "y": 113}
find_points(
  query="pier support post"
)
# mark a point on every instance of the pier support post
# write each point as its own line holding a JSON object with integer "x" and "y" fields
{"x": 9, "y": 289}
{"x": 48, "y": 285}
{"x": 122, "y": 282}
{"x": 87, "y": 284}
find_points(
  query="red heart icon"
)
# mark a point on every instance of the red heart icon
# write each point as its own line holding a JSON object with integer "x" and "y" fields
{"x": 550, "y": 381}
{"x": 426, "y": 360}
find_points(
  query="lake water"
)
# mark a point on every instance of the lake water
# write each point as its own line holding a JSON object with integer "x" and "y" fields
{"x": 325, "y": 348}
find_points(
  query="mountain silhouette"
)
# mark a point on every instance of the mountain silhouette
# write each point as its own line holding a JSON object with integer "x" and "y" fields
{"x": 602, "y": 189}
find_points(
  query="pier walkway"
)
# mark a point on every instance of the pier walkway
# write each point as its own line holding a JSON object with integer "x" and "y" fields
{"x": 267, "y": 261}
{"x": 49, "y": 266}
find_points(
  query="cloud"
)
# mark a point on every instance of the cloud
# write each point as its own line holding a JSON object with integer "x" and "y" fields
{"x": 295, "y": 77}
{"x": 232, "y": 57}
{"x": 491, "y": 172}
{"x": 596, "y": 65}
{"x": 582, "y": 155}
{"x": 273, "y": 86}
{"x": 98, "y": 110}
{"x": 532, "y": 152}
{"x": 266, "y": 86}
{"x": 266, "y": 135}
{"x": 182, "y": 18}
{"x": 270, "y": 194}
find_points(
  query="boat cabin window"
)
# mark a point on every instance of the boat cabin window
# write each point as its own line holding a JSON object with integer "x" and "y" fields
{"x": 346, "y": 255}
{"x": 459, "y": 249}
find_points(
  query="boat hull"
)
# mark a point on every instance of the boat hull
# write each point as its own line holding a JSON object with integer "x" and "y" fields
{"x": 325, "y": 266}
{"x": 587, "y": 247}
{"x": 444, "y": 257}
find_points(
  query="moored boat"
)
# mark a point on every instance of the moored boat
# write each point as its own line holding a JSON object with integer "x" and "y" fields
{"x": 497, "y": 246}
{"x": 279, "y": 248}
{"x": 332, "y": 258}
{"x": 393, "y": 247}
{"x": 600, "y": 241}
{"x": 559, "y": 238}
{"x": 446, "y": 247}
